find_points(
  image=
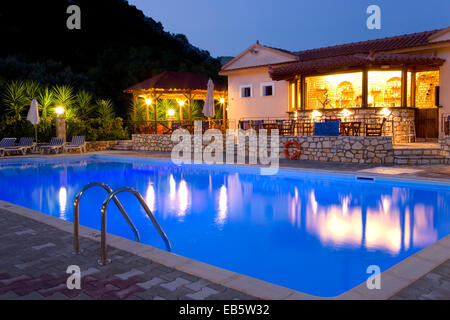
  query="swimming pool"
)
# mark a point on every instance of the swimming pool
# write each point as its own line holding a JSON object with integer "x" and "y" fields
{"x": 313, "y": 232}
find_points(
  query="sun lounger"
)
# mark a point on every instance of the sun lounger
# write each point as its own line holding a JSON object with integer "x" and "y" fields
{"x": 78, "y": 142}
{"x": 23, "y": 146}
{"x": 5, "y": 143}
{"x": 55, "y": 144}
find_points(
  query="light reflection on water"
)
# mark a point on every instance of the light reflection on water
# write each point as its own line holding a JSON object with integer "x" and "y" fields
{"x": 283, "y": 230}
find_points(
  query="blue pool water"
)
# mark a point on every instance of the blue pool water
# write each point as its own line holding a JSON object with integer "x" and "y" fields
{"x": 311, "y": 232}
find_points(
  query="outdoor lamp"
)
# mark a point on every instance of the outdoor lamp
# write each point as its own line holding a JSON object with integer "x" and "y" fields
{"x": 171, "y": 112}
{"x": 60, "y": 123}
{"x": 222, "y": 100}
{"x": 148, "y": 101}
{"x": 316, "y": 114}
{"x": 181, "y": 102}
{"x": 59, "y": 110}
{"x": 385, "y": 112}
{"x": 346, "y": 113}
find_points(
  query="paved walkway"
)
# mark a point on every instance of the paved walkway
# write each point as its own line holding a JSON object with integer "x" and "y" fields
{"x": 35, "y": 257}
{"x": 433, "y": 286}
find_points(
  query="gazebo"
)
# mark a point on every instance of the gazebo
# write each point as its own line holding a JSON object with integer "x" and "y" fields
{"x": 181, "y": 86}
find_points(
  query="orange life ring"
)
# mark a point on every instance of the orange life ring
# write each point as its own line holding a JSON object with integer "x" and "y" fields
{"x": 296, "y": 155}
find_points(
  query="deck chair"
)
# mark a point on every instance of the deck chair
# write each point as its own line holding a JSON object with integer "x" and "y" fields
{"x": 78, "y": 142}
{"x": 55, "y": 144}
{"x": 23, "y": 146}
{"x": 6, "y": 143}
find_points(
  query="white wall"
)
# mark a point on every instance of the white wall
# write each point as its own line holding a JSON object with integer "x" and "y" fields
{"x": 256, "y": 106}
{"x": 444, "y": 92}
{"x": 259, "y": 56}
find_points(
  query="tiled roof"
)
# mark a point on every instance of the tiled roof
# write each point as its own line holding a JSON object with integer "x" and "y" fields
{"x": 355, "y": 60}
{"x": 176, "y": 80}
{"x": 377, "y": 45}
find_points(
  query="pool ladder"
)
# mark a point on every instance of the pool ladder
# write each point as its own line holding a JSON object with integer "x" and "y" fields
{"x": 112, "y": 196}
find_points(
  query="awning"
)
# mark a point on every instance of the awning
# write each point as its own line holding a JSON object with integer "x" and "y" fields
{"x": 331, "y": 64}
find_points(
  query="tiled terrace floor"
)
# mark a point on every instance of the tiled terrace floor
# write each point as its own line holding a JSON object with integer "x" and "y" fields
{"x": 34, "y": 258}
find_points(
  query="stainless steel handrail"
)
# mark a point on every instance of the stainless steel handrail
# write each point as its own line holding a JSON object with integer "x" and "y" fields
{"x": 104, "y": 260}
{"x": 76, "y": 214}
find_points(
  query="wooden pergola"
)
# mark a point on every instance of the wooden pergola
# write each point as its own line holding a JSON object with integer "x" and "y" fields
{"x": 180, "y": 86}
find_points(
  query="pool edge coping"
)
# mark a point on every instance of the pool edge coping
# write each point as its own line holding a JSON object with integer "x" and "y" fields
{"x": 393, "y": 280}
{"x": 382, "y": 177}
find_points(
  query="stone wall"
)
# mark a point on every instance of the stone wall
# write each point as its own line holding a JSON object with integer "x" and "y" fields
{"x": 444, "y": 143}
{"x": 365, "y": 150}
{"x": 333, "y": 149}
{"x": 401, "y": 118}
{"x": 152, "y": 142}
{"x": 100, "y": 145}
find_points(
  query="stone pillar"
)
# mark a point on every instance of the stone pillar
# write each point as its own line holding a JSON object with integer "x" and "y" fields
{"x": 61, "y": 127}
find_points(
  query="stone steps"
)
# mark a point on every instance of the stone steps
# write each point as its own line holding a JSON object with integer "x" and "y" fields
{"x": 421, "y": 156}
{"x": 123, "y": 145}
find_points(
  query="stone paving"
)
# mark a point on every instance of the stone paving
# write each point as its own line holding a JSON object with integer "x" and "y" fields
{"x": 35, "y": 257}
{"x": 435, "y": 285}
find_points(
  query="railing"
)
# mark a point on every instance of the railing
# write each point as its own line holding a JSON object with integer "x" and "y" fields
{"x": 112, "y": 196}
{"x": 168, "y": 126}
{"x": 305, "y": 126}
{"x": 104, "y": 260}
{"x": 76, "y": 214}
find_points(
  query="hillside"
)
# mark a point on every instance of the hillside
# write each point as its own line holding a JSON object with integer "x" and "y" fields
{"x": 116, "y": 46}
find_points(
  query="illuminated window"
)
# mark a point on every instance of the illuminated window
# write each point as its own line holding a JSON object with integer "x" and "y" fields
{"x": 426, "y": 83}
{"x": 334, "y": 91}
{"x": 408, "y": 93}
{"x": 385, "y": 89}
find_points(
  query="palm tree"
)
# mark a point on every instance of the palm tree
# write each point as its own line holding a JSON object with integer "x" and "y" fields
{"x": 45, "y": 100}
{"x": 32, "y": 89}
{"x": 104, "y": 109}
{"x": 140, "y": 111}
{"x": 84, "y": 104}
{"x": 15, "y": 99}
{"x": 64, "y": 96}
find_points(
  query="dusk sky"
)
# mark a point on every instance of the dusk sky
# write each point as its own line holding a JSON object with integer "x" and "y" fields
{"x": 225, "y": 28}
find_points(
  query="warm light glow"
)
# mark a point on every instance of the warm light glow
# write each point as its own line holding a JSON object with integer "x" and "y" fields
{"x": 181, "y": 102}
{"x": 316, "y": 114}
{"x": 171, "y": 112}
{"x": 346, "y": 113}
{"x": 150, "y": 197}
{"x": 62, "y": 200}
{"x": 223, "y": 206}
{"x": 222, "y": 100}
{"x": 385, "y": 112}
{"x": 172, "y": 188}
{"x": 148, "y": 101}
{"x": 59, "y": 110}
{"x": 183, "y": 198}
{"x": 334, "y": 91}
